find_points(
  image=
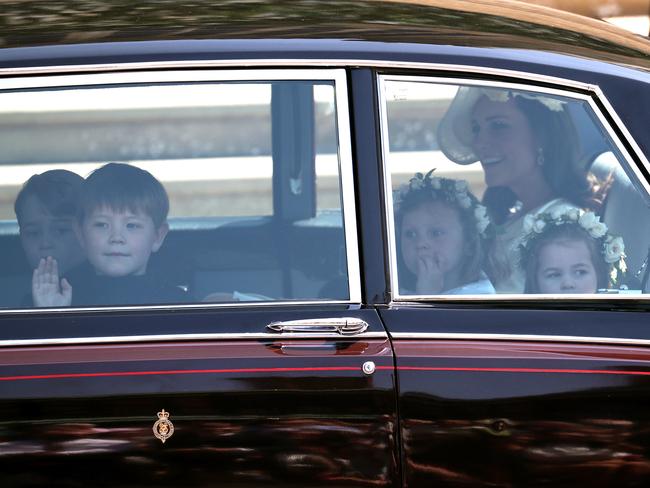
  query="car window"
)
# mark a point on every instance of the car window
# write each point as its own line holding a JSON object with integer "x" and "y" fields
{"x": 501, "y": 189}
{"x": 209, "y": 191}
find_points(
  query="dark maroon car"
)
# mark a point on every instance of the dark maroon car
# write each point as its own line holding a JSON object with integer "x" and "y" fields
{"x": 342, "y": 243}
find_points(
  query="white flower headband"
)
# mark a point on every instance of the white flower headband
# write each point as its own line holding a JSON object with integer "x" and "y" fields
{"x": 612, "y": 247}
{"x": 446, "y": 189}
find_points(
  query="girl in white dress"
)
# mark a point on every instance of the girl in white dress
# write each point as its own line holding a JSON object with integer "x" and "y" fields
{"x": 441, "y": 228}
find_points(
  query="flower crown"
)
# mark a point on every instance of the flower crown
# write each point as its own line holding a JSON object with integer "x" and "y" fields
{"x": 449, "y": 190}
{"x": 612, "y": 247}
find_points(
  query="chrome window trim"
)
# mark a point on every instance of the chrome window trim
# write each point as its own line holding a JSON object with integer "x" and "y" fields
{"x": 518, "y": 338}
{"x": 186, "y": 337}
{"x": 346, "y": 174}
{"x": 596, "y": 298}
{"x": 293, "y": 62}
{"x": 172, "y": 76}
{"x": 598, "y": 93}
{"x": 179, "y": 306}
{"x": 592, "y": 91}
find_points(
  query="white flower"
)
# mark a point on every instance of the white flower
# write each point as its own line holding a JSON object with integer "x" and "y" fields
{"x": 496, "y": 95}
{"x": 464, "y": 201}
{"x": 482, "y": 224}
{"x": 587, "y": 220}
{"x": 482, "y": 219}
{"x": 529, "y": 221}
{"x": 573, "y": 214}
{"x": 417, "y": 183}
{"x": 461, "y": 186}
{"x": 538, "y": 226}
{"x": 435, "y": 183}
{"x": 598, "y": 230}
{"x": 557, "y": 213}
{"x": 614, "y": 249}
{"x": 553, "y": 104}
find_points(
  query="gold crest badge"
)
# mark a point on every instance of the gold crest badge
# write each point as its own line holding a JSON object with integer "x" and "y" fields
{"x": 163, "y": 429}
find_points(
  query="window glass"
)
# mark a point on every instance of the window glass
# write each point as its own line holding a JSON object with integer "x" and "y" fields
{"x": 171, "y": 193}
{"x": 500, "y": 190}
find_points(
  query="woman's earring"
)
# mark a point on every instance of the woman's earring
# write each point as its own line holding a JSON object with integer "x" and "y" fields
{"x": 540, "y": 157}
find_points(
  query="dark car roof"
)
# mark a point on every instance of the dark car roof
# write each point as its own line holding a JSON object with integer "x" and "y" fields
{"x": 477, "y": 23}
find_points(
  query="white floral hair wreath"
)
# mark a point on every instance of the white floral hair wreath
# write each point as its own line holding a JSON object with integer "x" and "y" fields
{"x": 612, "y": 247}
{"x": 448, "y": 190}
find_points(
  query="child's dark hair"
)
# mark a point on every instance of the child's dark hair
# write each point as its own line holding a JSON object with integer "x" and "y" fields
{"x": 421, "y": 191}
{"x": 123, "y": 187}
{"x": 564, "y": 233}
{"x": 58, "y": 190}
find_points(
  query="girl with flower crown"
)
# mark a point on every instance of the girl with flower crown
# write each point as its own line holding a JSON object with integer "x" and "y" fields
{"x": 570, "y": 251}
{"x": 440, "y": 232}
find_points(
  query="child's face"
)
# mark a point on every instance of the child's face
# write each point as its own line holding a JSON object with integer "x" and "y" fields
{"x": 43, "y": 234}
{"x": 432, "y": 231}
{"x": 565, "y": 266}
{"x": 120, "y": 243}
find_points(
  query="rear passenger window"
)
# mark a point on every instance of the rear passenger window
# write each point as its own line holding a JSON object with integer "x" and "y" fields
{"x": 174, "y": 192}
{"x": 501, "y": 189}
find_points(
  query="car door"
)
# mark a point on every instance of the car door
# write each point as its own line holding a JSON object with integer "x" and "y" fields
{"x": 270, "y": 370}
{"x": 514, "y": 388}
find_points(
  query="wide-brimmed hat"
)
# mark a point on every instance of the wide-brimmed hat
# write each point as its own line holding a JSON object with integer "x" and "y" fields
{"x": 455, "y": 128}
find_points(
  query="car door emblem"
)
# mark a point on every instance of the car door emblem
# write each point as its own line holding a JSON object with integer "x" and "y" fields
{"x": 163, "y": 429}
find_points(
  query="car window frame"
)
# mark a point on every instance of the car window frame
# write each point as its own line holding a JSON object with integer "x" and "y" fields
{"x": 24, "y": 80}
{"x": 633, "y": 160}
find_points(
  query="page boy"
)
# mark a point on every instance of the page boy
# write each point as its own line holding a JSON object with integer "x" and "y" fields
{"x": 46, "y": 209}
{"x": 122, "y": 220}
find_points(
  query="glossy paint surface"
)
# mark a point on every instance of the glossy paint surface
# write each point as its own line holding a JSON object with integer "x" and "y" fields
{"x": 486, "y": 23}
{"x": 272, "y": 413}
{"x": 523, "y": 414}
{"x": 277, "y": 411}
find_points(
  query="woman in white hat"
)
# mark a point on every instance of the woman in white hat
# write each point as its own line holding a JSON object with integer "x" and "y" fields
{"x": 528, "y": 148}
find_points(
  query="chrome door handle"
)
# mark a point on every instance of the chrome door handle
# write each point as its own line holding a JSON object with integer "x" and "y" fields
{"x": 341, "y": 325}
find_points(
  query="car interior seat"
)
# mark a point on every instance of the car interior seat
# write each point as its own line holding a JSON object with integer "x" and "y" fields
{"x": 627, "y": 213}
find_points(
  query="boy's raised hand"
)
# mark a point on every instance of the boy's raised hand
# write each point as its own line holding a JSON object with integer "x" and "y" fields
{"x": 47, "y": 290}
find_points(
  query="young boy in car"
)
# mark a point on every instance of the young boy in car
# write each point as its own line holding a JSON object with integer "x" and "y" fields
{"x": 122, "y": 220}
{"x": 46, "y": 209}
